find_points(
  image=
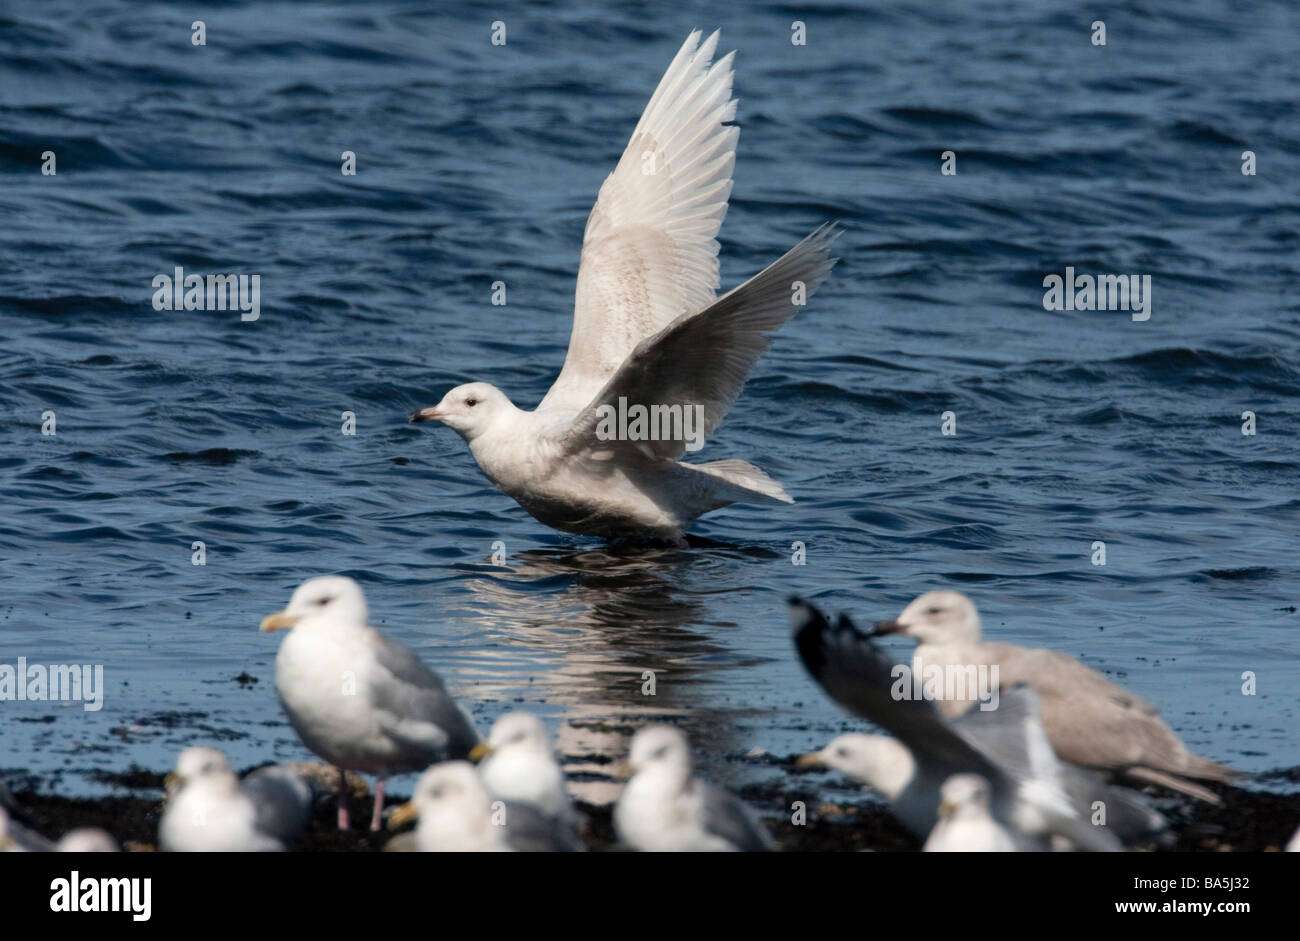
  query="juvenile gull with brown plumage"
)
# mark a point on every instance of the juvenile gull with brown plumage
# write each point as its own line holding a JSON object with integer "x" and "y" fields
{"x": 1090, "y": 721}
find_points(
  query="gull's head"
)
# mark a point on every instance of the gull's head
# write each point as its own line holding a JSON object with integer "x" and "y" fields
{"x": 194, "y": 764}
{"x": 335, "y": 597}
{"x": 515, "y": 730}
{"x": 659, "y": 746}
{"x": 448, "y": 794}
{"x": 937, "y": 617}
{"x": 88, "y": 840}
{"x": 964, "y": 792}
{"x": 884, "y": 763}
{"x": 197, "y": 762}
{"x": 469, "y": 410}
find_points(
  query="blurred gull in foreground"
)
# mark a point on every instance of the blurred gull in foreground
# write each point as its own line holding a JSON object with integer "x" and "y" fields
{"x": 518, "y": 765}
{"x": 647, "y": 330}
{"x": 16, "y": 838}
{"x": 211, "y": 811}
{"x": 458, "y": 815}
{"x": 88, "y": 840}
{"x": 359, "y": 700}
{"x": 664, "y": 809}
{"x": 965, "y": 824}
{"x": 887, "y": 766}
{"x": 1089, "y": 720}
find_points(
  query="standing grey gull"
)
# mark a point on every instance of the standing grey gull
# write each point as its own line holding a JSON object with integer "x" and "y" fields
{"x": 361, "y": 701}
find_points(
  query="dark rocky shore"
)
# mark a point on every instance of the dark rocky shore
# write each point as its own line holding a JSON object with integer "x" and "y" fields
{"x": 1247, "y": 821}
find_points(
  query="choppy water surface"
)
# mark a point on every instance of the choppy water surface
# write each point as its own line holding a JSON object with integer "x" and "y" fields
{"x": 478, "y": 164}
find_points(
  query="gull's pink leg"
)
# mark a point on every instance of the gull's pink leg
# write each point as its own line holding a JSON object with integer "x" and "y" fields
{"x": 344, "y": 821}
{"x": 377, "y": 818}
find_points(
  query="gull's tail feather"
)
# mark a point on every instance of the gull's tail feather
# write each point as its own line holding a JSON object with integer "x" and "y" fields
{"x": 740, "y": 482}
{"x": 1207, "y": 769}
{"x": 1174, "y": 783}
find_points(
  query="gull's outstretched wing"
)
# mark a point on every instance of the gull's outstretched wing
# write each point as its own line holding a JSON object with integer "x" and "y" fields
{"x": 704, "y": 358}
{"x": 1011, "y": 750}
{"x": 649, "y": 254}
{"x": 857, "y": 675}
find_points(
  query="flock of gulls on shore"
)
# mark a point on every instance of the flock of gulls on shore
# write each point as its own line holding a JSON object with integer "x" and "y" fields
{"x": 1042, "y": 771}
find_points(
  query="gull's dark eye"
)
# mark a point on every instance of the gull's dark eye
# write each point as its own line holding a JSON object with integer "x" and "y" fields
{"x": 935, "y": 611}
{"x": 324, "y": 601}
{"x": 842, "y": 752}
{"x": 471, "y": 402}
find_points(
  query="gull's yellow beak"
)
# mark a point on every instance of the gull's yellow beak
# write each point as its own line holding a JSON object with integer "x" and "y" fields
{"x": 171, "y": 783}
{"x": 274, "y": 622}
{"x": 621, "y": 771}
{"x": 480, "y": 751}
{"x": 403, "y": 815}
{"x": 812, "y": 760}
{"x": 946, "y": 808}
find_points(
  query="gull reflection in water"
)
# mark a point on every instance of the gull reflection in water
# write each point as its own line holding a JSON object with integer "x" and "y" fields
{"x": 608, "y": 639}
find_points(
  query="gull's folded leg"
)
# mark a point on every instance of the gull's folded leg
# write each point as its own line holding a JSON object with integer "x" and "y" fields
{"x": 344, "y": 822}
{"x": 377, "y": 818}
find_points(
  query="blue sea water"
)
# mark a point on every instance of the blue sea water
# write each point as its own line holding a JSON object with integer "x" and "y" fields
{"x": 478, "y": 163}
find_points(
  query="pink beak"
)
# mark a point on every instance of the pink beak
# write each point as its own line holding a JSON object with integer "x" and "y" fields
{"x": 426, "y": 414}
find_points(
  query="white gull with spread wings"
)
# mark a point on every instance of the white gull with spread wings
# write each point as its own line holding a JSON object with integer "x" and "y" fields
{"x": 648, "y": 329}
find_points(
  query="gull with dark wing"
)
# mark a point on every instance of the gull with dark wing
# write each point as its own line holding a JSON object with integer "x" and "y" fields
{"x": 1027, "y": 790}
{"x": 649, "y": 333}
{"x": 1090, "y": 721}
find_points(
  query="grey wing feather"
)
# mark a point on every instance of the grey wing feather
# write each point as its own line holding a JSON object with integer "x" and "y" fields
{"x": 999, "y": 733}
{"x": 282, "y": 799}
{"x": 1013, "y": 736}
{"x": 416, "y": 708}
{"x": 703, "y": 358}
{"x": 528, "y": 830}
{"x": 726, "y": 816}
{"x": 1129, "y": 815}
